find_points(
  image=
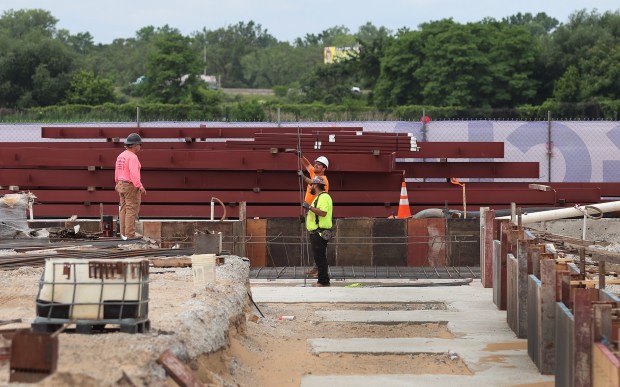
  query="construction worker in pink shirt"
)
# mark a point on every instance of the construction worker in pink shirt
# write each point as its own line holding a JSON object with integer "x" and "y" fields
{"x": 129, "y": 186}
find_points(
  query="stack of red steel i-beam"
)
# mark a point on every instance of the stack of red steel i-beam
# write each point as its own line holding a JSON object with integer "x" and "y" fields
{"x": 183, "y": 168}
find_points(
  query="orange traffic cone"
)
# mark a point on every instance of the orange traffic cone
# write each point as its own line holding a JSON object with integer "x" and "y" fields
{"x": 403, "y": 206}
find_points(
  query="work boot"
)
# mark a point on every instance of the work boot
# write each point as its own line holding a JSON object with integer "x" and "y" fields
{"x": 320, "y": 285}
{"x": 313, "y": 272}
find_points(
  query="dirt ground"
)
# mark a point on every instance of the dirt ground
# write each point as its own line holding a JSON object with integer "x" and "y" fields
{"x": 223, "y": 348}
{"x": 271, "y": 352}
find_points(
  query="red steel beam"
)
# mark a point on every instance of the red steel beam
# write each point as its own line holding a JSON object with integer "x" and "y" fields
{"x": 478, "y": 169}
{"x": 119, "y": 146}
{"x": 204, "y": 211}
{"x": 428, "y": 197}
{"x": 193, "y": 180}
{"x": 433, "y": 198}
{"x": 180, "y": 132}
{"x": 427, "y": 149}
{"x": 171, "y": 159}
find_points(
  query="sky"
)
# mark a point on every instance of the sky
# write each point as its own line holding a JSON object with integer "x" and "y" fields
{"x": 286, "y": 20}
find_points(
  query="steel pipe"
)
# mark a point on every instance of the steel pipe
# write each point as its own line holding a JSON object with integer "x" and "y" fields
{"x": 564, "y": 213}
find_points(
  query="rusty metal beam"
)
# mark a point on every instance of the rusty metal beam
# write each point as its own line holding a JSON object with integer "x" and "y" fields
{"x": 470, "y": 169}
{"x": 180, "y": 132}
{"x": 204, "y": 211}
{"x": 171, "y": 159}
{"x": 427, "y": 149}
{"x": 192, "y": 180}
{"x": 433, "y": 197}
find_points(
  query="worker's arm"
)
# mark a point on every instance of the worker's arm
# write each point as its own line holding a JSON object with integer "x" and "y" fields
{"x": 318, "y": 211}
{"x": 305, "y": 162}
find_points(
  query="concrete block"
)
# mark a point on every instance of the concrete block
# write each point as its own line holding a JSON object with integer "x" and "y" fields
{"x": 256, "y": 242}
{"x": 284, "y": 236}
{"x": 152, "y": 230}
{"x": 181, "y": 233}
{"x": 389, "y": 247}
{"x": 226, "y": 228}
{"x": 208, "y": 243}
{"x": 463, "y": 242}
{"x": 353, "y": 246}
{"x": 426, "y": 242}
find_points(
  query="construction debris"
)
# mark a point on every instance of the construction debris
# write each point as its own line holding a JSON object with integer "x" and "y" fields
{"x": 13, "y": 223}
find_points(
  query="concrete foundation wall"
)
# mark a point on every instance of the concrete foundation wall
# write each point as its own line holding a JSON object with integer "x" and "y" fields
{"x": 357, "y": 241}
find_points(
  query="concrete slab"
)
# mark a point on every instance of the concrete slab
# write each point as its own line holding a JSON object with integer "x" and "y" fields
{"x": 483, "y": 339}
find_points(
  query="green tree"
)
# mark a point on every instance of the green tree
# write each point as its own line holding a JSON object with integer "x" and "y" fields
{"x": 18, "y": 24}
{"x": 35, "y": 66}
{"x": 171, "y": 67}
{"x": 567, "y": 87}
{"x": 224, "y": 49}
{"x": 484, "y": 64}
{"x": 86, "y": 89}
{"x": 330, "y": 84}
{"x": 281, "y": 64}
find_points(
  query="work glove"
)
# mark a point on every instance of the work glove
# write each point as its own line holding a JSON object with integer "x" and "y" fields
{"x": 305, "y": 205}
{"x": 300, "y": 173}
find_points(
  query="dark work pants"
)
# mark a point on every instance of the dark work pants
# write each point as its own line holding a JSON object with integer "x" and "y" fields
{"x": 319, "y": 250}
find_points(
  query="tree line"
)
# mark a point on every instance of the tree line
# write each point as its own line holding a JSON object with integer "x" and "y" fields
{"x": 520, "y": 61}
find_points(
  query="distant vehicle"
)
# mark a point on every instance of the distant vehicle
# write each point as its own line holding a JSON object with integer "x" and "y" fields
{"x": 356, "y": 90}
{"x": 139, "y": 80}
{"x": 210, "y": 80}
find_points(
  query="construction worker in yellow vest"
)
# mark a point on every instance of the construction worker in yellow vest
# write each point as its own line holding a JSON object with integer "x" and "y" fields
{"x": 319, "y": 225}
{"x": 317, "y": 169}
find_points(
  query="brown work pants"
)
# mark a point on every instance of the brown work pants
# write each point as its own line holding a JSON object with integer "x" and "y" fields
{"x": 129, "y": 207}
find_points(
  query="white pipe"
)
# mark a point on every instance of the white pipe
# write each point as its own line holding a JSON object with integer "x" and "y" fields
{"x": 569, "y": 212}
{"x": 212, "y": 208}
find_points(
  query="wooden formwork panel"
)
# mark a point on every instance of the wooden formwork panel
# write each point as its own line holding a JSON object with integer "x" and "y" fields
{"x": 256, "y": 231}
{"x": 605, "y": 367}
{"x": 462, "y": 242}
{"x": 286, "y": 240}
{"x": 426, "y": 242}
{"x": 389, "y": 242}
{"x": 353, "y": 243}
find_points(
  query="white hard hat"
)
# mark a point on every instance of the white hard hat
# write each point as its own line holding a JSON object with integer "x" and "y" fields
{"x": 323, "y": 160}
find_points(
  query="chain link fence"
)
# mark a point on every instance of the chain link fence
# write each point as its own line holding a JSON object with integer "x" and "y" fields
{"x": 567, "y": 151}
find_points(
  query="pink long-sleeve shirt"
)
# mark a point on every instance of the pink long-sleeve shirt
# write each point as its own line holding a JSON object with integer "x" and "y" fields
{"x": 128, "y": 168}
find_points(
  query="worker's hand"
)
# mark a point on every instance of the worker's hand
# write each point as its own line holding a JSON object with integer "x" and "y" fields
{"x": 299, "y": 153}
{"x": 143, "y": 190}
{"x": 305, "y": 205}
{"x": 300, "y": 173}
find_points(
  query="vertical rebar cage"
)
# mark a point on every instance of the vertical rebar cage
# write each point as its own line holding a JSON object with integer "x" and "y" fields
{"x": 92, "y": 293}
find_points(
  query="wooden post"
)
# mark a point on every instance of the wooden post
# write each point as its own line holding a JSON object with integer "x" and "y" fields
{"x": 602, "y": 322}
{"x": 583, "y": 338}
{"x": 512, "y": 314}
{"x": 601, "y": 275}
{"x": 487, "y": 265}
{"x": 548, "y": 300}
{"x": 522, "y": 251}
{"x": 243, "y": 219}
